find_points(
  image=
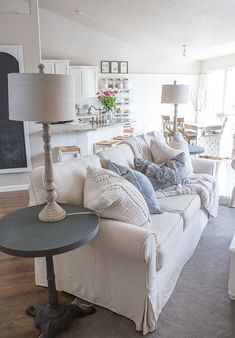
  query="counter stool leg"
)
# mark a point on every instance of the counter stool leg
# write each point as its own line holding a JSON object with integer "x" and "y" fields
{"x": 54, "y": 317}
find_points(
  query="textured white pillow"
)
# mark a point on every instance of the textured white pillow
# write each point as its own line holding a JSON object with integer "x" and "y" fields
{"x": 111, "y": 196}
{"x": 163, "y": 152}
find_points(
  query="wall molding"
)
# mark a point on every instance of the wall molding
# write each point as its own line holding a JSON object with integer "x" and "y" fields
{"x": 14, "y": 187}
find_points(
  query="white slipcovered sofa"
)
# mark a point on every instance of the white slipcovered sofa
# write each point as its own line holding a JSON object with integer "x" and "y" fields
{"x": 127, "y": 269}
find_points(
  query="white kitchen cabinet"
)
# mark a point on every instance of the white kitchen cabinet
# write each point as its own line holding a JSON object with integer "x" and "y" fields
{"x": 86, "y": 82}
{"x": 56, "y": 66}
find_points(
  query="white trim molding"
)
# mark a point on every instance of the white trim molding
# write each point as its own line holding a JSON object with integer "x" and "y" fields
{"x": 7, "y": 188}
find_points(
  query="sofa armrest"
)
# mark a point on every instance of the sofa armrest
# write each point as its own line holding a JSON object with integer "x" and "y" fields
{"x": 203, "y": 166}
{"x": 125, "y": 240}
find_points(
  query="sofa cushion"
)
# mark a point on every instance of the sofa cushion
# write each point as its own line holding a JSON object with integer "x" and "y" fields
{"x": 121, "y": 154}
{"x": 179, "y": 143}
{"x": 141, "y": 182}
{"x": 69, "y": 179}
{"x": 154, "y": 135}
{"x": 185, "y": 205}
{"x": 168, "y": 228}
{"x": 162, "y": 152}
{"x": 111, "y": 196}
{"x": 164, "y": 175}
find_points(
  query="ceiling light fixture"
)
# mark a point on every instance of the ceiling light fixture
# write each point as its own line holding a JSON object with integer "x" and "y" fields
{"x": 184, "y": 58}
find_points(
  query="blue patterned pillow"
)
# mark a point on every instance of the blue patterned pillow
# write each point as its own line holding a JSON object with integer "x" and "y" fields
{"x": 164, "y": 175}
{"x": 141, "y": 182}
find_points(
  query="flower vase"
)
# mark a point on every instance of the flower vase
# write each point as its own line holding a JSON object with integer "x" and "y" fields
{"x": 109, "y": 116}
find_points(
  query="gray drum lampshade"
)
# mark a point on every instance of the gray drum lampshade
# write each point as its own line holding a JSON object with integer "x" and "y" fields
{"x": 41, "y": 97}
{"x": 175, "y": 93}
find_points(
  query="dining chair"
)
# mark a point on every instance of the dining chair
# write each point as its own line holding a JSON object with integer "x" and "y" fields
{"x": 189, "y": 135}
{"x": 167, "y": 128}
{"x": 218, "y": 143}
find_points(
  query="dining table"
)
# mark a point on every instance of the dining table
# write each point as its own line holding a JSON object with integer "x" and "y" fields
{"x": 201, "y": 127}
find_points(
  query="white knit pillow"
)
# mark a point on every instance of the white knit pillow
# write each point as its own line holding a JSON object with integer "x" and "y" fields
{"x": 162, "y": 152}
{"x": 111, "y": 196}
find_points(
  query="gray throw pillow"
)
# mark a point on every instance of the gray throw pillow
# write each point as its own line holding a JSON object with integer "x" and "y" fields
{"x": 141, "y": 182}
{"x": 164, "y": 175}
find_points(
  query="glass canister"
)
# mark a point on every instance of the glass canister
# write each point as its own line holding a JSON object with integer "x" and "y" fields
{"x": 106, "y": 83}
{"x": 111, "y": 83}
{"x": 119, "y": 84}
{"x": 102, "y": 84}
{"x": 126, "y": 84}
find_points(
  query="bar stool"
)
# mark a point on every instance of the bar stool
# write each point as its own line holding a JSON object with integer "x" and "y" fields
{"x": 75, "y": 151}
{"x": 104, "y": 144}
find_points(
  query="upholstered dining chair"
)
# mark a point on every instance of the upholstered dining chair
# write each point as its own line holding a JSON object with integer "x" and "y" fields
{"x": 218, "y": 143}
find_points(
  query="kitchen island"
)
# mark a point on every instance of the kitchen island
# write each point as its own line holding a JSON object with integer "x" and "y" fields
{"x": 83, "y": 135}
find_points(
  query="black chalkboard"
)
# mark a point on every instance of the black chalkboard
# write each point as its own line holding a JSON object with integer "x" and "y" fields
{"x": 12, "y": 139}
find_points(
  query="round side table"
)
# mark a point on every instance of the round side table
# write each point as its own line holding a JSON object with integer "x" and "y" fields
{"x": 195, "y": 150}
{"x": 23, "y": 235}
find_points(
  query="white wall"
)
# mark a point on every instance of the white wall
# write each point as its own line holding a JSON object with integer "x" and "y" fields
{"x": 21, "y": 29}
{"x": 145, "y": 99}
{"x": 63, "y": 38}
{"x": 220, "y": 62}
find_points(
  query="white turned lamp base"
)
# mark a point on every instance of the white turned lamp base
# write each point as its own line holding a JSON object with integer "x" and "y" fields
{"x": 52, "y": 212}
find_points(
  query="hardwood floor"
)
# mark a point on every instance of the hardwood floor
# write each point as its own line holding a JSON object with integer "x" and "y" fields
{"x": 17, "y": 287}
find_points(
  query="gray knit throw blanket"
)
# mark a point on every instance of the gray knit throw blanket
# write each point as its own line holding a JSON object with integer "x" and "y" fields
{"x": 202, "y": 184}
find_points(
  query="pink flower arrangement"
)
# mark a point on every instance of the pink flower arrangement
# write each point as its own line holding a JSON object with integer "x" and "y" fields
{"x": 108, "y": 99}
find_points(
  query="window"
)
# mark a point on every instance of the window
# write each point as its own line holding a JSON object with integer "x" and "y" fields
{"x": 229, "y": 100}
{"x": 215, "y": 94}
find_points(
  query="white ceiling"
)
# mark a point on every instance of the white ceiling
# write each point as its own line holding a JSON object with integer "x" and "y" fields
{"x": 207, "y": 27}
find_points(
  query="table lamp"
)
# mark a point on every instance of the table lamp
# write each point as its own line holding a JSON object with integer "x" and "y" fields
{"x": 175, "y": 94}
{"x": 43, "y": 98}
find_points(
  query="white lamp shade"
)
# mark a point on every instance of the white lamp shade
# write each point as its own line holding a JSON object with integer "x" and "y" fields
{"x": 175, "y": 93}
{"x": 41, "y": 97}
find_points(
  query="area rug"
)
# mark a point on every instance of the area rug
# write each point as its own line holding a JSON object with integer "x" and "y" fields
{"x": 199, "y": 307}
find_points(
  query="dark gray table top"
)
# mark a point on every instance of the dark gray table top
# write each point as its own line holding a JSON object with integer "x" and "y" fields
{"x": 23, "y": 235}
{"x": 194, "y": 150}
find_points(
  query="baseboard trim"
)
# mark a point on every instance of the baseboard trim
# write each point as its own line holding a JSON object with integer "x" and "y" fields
{"x": 14, "y": 187}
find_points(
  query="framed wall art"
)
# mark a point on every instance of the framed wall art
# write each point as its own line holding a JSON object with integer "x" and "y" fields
{"x": 105, "y": 67}
{"x": 123, "y": 67}
{"x": 114, "y": 67}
